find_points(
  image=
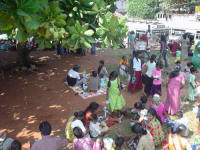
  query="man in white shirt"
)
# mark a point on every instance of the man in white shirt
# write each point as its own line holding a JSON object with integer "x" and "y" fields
{"x": 73, "y": 76}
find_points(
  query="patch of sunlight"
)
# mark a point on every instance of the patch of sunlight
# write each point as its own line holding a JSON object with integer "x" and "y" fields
{"x": 44, "y": 58}
{"x": 55, "y": 106}
{"x": 16, "y": 116}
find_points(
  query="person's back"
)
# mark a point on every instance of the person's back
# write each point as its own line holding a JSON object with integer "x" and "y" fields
{"x": 48, "y": 142}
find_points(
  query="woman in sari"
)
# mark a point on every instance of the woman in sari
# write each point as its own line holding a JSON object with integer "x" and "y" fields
{"x": 175, "y": 82}
{"x": 196, "y": 56}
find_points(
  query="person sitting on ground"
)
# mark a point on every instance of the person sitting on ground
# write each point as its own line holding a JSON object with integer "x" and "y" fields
{"x": 90, "y": 110}
{"x": 102, "y": 81}
{"x": 180, "y": 120}
{"x": 48, "y": 142}
{"x": 5, "y": 143}
{"x": 159, "y": 107}
{"x": 81, "y": 142}
{"x": 74, "y": 121}
{"x": 16, "y": 145}
{"x": 79, "y": 115}
{"x": 176, "y": 141}
{"x": 142, "y": 139}
{"x": 94, "y": 82}
{"x": 73, "y": 76}
{"x": 119, "y": 141}
{"x": 102, "y": 69}
{"x": 98, "y": 145}
{"x": 123, "y": 66}
{"x": 97, "y": 128}
{"x": 154, "y": 126}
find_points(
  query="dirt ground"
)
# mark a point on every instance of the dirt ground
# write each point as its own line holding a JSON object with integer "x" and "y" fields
{"x": 28, "y": 99}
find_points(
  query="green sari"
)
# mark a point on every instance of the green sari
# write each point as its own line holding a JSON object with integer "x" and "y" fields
{"x": 196, "y": 57}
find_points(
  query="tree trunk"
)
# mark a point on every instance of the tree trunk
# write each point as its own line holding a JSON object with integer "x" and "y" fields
{"x": 23, "y": 53}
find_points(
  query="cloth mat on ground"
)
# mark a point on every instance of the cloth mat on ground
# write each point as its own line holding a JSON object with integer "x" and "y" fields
{"x": 86, "y": 95}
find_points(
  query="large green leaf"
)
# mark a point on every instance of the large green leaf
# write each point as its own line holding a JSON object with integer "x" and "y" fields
{"x": 21, "y": 13}
{"x": 32, "y": 24}
{"x": 89, "y": 32}
{"x": 20, "y": 35}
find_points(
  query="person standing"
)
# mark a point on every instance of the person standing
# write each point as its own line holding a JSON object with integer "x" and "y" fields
{"x": 163, "y": 50}
{"x": 116, "y": 99}
{"x": 175, "y": 83}
{"x": 137, "y": 74}
{"x": 148, "y": 80}
{"x": 184, "y": 47}
{"x": 131, "y": 42}
{"x": 196, "y": 56}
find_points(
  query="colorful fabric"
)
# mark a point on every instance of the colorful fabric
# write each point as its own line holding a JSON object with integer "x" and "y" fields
{"x": 117, "y": 101}
{"x": 138, "y": 82}
{"x": 68, "y": 129}
{"x": 191, "y": 92}
{"x": 196, "y": 56}
{"x": 160, "y": 111}
{"x": 172, "y": 103}
{"x": 123, "y": 62}
{"x": 176, "y": 142}
{"x": 158, "y": 75}
{"x": 156, "y": 131}
{"x": 84, "y": 143}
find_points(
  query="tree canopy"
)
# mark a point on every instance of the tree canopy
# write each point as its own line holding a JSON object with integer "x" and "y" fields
{"x": 74, "y": 22}
{"x": 145, "y": 9}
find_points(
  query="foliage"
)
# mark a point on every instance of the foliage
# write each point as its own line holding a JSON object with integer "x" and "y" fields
{"x": 112, "y": 30}
{"x": 112, "y": 4}
{"x": 74, "y": 22}
{"x": 18, "y": 19}
{"x": 91, "y": 15}
{"x": 145, "y": 9}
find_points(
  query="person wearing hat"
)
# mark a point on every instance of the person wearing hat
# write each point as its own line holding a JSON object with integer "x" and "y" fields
{"x": 196, "y": 56}
{"x": 73, "y": 76}
{"x": 148, "y": 79}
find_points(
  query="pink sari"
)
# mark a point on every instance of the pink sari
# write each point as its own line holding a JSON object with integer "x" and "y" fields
{"x": 172, "y": 103}
{"x": 160, "y": 111}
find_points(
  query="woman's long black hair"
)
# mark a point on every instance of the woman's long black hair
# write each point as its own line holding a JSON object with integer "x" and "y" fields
{"x": 92, "y": 107}
{"x": 138, "y": 129}
{"x": 113, "y": 74}
{"x": 174, "y": 73}
{"x": 101, "y": 66}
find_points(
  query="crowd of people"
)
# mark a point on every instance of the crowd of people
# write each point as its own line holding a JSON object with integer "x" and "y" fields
{"x": 89, "y": 129}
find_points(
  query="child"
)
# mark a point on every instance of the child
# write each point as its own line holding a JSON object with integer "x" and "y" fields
{"x": 119, "y": 141}
{"x": 178, "y": 65}
{"x": 159, "y": 107}
{"x": 187, "y": 70}
{"x": 123, "y": 66}
{"x": 79, "y": 115}
{"x": 116, "y": 99}
{"x": 192, "y": 86}
{"x": 94, "y": 82}
{"x": 178, "y": 55}
{"x": 97, "y": 128}
{"x": 154, "y": 126}
{"x": 157, "y": 82}
{"x": 102, "y": 81}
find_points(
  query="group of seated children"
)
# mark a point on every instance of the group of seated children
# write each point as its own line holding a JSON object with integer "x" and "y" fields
{"x": 91, "y": 133}
{"x": 92, "y": 82}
